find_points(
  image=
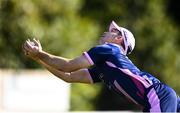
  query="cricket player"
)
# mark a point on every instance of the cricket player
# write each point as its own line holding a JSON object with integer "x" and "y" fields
{"x": 108, "y": 63}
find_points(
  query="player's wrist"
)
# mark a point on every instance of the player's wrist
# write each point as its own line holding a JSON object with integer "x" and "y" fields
{"x": 40, "y": 55}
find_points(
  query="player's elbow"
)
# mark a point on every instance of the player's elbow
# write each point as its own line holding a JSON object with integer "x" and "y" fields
{"x": 70, "y": 81}
{"x": 68, "y": 77}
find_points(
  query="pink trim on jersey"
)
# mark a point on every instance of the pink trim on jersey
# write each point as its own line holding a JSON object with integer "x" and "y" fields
{"x": 141, "y": 79}
{"x": 89, "y": 76}
{"x": 128, "y": 72}
{"x": 88, "y": 58}
{"x": 154, "y": 101}
{"x": 124, "y": 92}
{"x": 111, "y": 64}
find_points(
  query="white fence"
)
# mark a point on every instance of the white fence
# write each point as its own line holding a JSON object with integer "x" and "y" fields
{"x": 32, "y": 91}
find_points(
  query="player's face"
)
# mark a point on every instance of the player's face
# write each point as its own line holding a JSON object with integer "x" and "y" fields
{"x": 109, "y": 36}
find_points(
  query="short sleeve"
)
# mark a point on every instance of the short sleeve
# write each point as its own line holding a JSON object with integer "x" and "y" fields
{"x": 94, "y": 73}
{"x": 98, "y": 54}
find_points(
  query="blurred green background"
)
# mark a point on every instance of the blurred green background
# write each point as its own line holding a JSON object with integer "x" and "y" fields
{"x": 69, "y": 27}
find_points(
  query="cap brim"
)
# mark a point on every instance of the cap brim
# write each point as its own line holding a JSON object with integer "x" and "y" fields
{"x": 113, "y": 25}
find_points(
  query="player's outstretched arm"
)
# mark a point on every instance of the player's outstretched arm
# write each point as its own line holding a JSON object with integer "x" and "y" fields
{"x": 64, "y": 64}
{"x": 79, "y": 76}
{"x": 60, "y": 63}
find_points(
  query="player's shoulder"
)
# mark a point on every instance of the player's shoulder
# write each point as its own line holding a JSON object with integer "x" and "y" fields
{"x": 107, "y": 46}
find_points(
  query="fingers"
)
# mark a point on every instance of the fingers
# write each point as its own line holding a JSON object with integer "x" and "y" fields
{"x": 26, "y": 53}
{"x": 25, "y": 49}
{"x": 27, "y": 46}
{"x": 31, "y": 47}
{"x": 37, "y": 43}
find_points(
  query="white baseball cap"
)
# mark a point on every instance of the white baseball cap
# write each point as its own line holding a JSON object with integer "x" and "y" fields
{"x": 129, "y": 40}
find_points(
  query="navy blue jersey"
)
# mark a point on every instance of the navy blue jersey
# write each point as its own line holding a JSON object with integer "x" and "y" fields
{"x": 117, "y": 71}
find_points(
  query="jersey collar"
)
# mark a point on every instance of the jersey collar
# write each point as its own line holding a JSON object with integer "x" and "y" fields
{"x": 120, "y": 47}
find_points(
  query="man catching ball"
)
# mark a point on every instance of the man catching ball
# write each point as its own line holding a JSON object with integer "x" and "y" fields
{"x": 109, "y": 64}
